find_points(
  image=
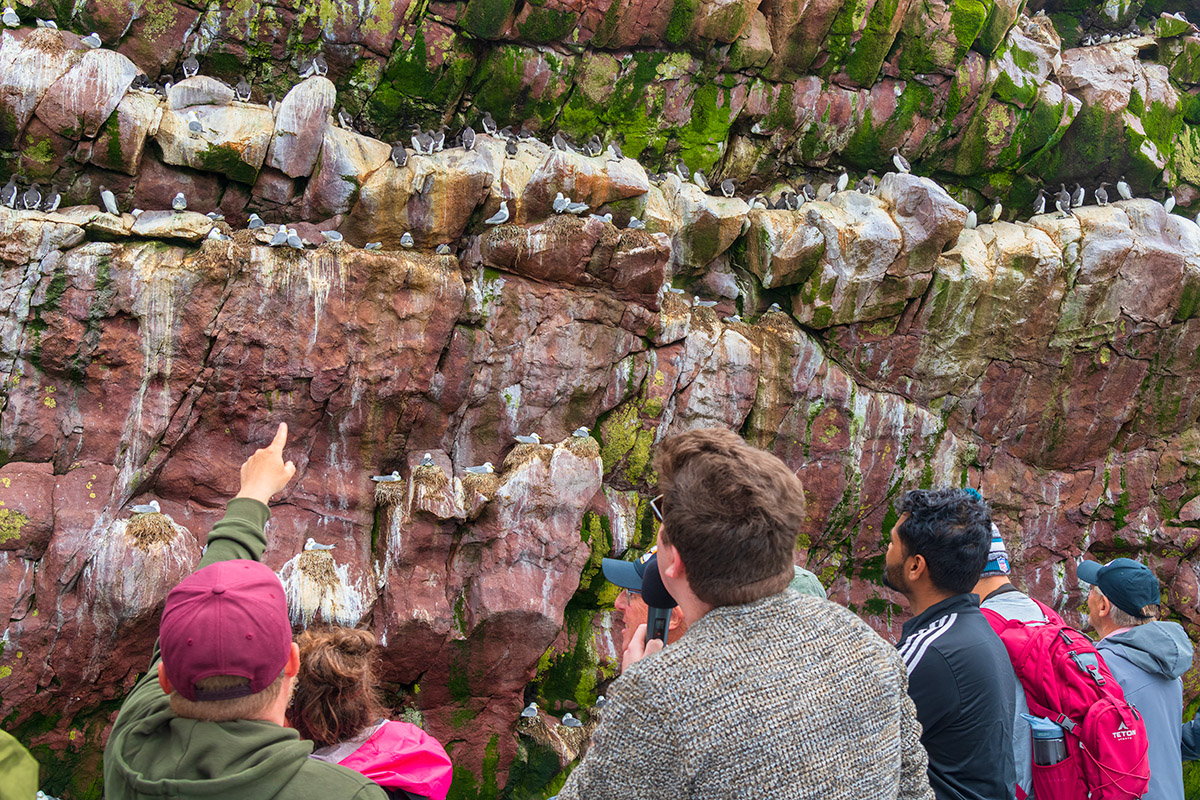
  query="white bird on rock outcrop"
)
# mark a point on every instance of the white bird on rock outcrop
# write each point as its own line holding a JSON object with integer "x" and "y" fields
{"x": 373, "y": 246}
{"x": 900, "y": 162}
{"x": 215, "y": 216}
{"x": 636, "y": 224}
{"x": 242, "y": 90}
{"x": 728, "y": 187}
{"x": 529, "y": 711}
{"x": 280, "y": 238}
{"x": 147, "y": 508}
{"x": 32, "y": 198}
{"x": 399, "y": 155}
{"x": 427, "y": 460}
{"x": 485, "y": 468}
{"x": 576, "y": 208}
{"x": 109, "y": 201}
{"x": 582, "y": 432}
{"x": 865, "y": 186}
{"x": 51, "y": 200}
{"x": 701, "y": 181}
{"x": 468, "y": 138}
{"x": 10, "y": 17}
{"x": 843, "y": 181}
{"x": 997, "y": 212}
{"x": 191, "y": 67}
{"x": 194, "y": 126}
{"x": 500, "y": 217}
{"x": 614, "y": 152}
{"x": 313, "y": 544}
{"x": 569, "y": 721}
{"x": 1124, "y": 190}
{"x": 395, "y": 476}
{"x": 255, "y": 222}
{"x": 489, "y": 124}
{"x": 179, "y": 202}
{"x": 1102, "y": 194}
{"x": 682, "y": 171}
{"x": 673, "y": 290}
{"x": 47, "y": 23}
{"x": 696, "y": 301}
{"x": 1039, "y": 204}
{"x": 532, "y": 438}
{"x": 1062, "y": 201}
{"x": 732, "y": 319}
{"x": 294, "y": 241}
{"x": 406, "y": 241}
{"x": 560, "y": 203}
{"x": 601, "y": 701}
{"x": 443, "y": 249}
{"x": 92, "y": 40}
{"x": 1169, "y": 203}
{"x": 972, "y": 220}
{"x": 216, "y": 235}
{"x": 332, "y": 236}
{"x": 774, "y": 307}
{"x": 1077, "y": 195}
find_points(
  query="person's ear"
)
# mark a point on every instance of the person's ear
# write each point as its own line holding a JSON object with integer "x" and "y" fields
{"x": 1103, "y": 606}
{"x": 292, "y": 667}
{"x": 669, "y": 562}
{"x": 163, "y": 680}
{"x": 917, "y": 567}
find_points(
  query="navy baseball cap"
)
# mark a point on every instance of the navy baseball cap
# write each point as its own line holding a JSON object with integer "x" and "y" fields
{"x": 640, "y": 576}
{"x": 1129, "y": 584}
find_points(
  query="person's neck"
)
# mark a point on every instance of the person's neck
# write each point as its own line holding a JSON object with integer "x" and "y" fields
{"x": 990, "y": 584}
{"x": 693, "y": 608}
{"x": 923, "y": 598}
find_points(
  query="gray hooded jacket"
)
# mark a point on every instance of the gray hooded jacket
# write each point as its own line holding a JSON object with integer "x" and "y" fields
{"x": 1147, "y": 661}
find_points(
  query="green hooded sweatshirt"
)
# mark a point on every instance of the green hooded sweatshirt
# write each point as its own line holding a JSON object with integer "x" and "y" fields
{"x": 154, "y": 754}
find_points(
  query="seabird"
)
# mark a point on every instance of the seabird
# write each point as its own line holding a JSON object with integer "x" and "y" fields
{"x": 427, "y": 460}
{"x": 1124, "y": 190}
{"x": 109, "y": 201}
{"x": 32, "y": 198}
{"x": 900, "y": 162}
{"x": 807, "y": 192}
{"x": 8, "y": 195}
{"x": 344, "y": 120}
{"x": 443, "y": 249}
{"x": 758, "y": 202}
{"x": 1105, "y": 38}
{"x": 468, "y": 138}
{"x": 696, "y": 301}
{"x": 603, "y": 217}
{"x": 242, "y": 90}
{"x": 529, "y": 711}
{"x": 52, "y": 199}
{"x": 255, "y": 222}
{"x": 194, "y": 126}
{"x": 271, "y": 101}
{"x": 373, "y": 246}
{"x": 774, "y": 307}
{"x": 1062, "y": 201}
{"x": 601, "y": 701}
{"x": 569, "y": 721}
{"x": 560, "y": 203}
{"x": 636, "y": 224}
{"x": 843, "y": 181}
{"x": 280, "y": 238}
{"x": 997, "y": 211}
{"x": 701, "y": 181}
{"x": 47, "y": 23}
{"x": 136, "y": 212}
{"x": 313, "y": 544}
{"x": 92, "y": 40}
{"x": 147, "y": 508}
{"x": 179, "y": 202}
{"x": 500, "y": 217}
{"x": 673, "y": 290}
{"x": 191, "y": 67}
{"x": 416, "y": 141}
{"x": 215, "y": 234}
{"x": 489, "y": 124}
{"x": 319, "y": 65}
{"x": 395, "y": 476}
{"x": 532, "y": 438}
{"x": 582, "y": 432}
{"x": 406, "y": 240}
{"x": 682, "y": 171}
{"x": 732, "y": 319}
{"x": 510, "y": 148}
{"x": 1168, "y": 204}
{"x": 972, "y": 220}
{"x": 438, "y": 141}
{"x": 10, "y": 17}
{"x": 1039, "y": 205}
{"x": 728, "y": 187}
{"x": 215, "y": 216}
{"x": 485, "y": 468}
{"x": 867, "y": 184}
{"x": 558, "y": 142}
{"x": 1102, "y": 194}
{"x": 614, "y": 152}
{"x": 332, "y": 236}
{"x": 294, "y": 241}
{"x": 399, "y": 155}
{"x": 1077, "y": 196}
{"x": 576, "y": 208}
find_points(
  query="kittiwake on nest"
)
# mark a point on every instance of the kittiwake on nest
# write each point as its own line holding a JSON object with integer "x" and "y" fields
{"x": 429, "y": 477}
{"x": 315, "y": 585}
{"x": 582, "y": 446}
{"x": 485, "y": 482}
{"x": 528, "y": 448}
{"x": 154, "y": 529}
{"x": 391, "y": 493}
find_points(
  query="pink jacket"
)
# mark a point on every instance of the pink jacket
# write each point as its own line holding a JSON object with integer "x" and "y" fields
{"x": 398, "y": 755}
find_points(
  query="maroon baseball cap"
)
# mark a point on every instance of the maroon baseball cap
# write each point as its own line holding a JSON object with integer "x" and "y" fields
{"x": 229, "y": 618}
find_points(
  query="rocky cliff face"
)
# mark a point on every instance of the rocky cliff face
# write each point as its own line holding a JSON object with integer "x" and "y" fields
{"x": 875, "y": 342}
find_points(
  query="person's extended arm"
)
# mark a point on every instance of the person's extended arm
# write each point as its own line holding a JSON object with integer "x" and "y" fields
{"x": 1191, "y": 741}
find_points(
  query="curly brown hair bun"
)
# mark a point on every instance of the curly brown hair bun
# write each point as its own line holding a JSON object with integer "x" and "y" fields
{"x": 336, "y": 691}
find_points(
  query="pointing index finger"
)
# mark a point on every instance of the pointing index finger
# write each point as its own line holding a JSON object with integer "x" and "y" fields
{"x": 280, "y": 438}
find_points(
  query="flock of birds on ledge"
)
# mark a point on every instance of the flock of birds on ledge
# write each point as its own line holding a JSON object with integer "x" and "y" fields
{"x": 428, "y": 142}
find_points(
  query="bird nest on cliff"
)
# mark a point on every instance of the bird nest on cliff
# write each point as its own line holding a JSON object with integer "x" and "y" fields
{"x": 633, "y": 239}
{"x": 568, "y": 743}
{"x": 524, "y": 453}
{"x": 674, "y": 306}
{"x": 391, "y": 493}
{"x": 317, "y": 566}
{"x": 485, "y": 484}
{"x": 430, "y": 479}
{"x": 47, "y": 40}
{"x": 504, "y": 233}
{"x": 583, "y": 446}
{"x": 148, "y": 530}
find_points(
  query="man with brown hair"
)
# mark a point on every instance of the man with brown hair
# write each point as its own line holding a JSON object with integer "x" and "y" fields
{"x": 770, "y": 693}
{"x": 208, "y": 720}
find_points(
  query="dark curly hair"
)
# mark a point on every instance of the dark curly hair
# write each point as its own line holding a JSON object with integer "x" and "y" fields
{"x": 952, "y": 529}
{"x": 337, "y": 694}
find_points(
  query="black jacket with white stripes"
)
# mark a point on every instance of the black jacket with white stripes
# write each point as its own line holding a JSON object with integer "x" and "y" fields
{"x": 962, "y": 683}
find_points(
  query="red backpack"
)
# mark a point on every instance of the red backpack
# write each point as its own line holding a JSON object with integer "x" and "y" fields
{"x": 1067, "y": 681}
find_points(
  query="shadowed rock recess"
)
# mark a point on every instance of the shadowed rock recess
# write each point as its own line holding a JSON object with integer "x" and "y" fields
{"x": 875, "y": 342}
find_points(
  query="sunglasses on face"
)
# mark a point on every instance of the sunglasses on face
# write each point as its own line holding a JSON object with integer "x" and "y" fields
{"x": 656, "y": 507}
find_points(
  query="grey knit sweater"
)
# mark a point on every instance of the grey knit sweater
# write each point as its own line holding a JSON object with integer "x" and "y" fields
{"x": 786, "y": 697}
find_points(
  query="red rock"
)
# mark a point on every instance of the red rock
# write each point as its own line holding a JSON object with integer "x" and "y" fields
{"x": 155, "y": 41}
{"x": 122, "y": 140}
{"x": 79, "y": 102}
{"x": 27, "y": 514}
{"x": 301, "y": 119}
{"x": 157, "y": 185}
{"x": 31, "y": 60}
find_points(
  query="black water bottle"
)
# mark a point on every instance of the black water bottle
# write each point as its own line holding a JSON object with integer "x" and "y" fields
{"x": 1049, "y": 741}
